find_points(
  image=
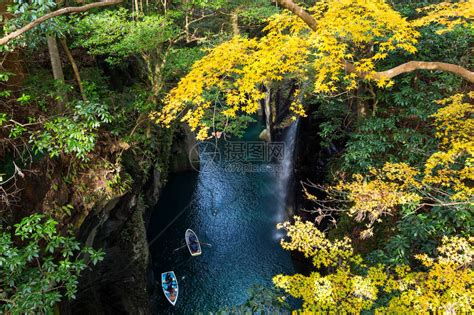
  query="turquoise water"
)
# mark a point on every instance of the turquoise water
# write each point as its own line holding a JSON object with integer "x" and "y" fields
{"x": 235, "y": 212}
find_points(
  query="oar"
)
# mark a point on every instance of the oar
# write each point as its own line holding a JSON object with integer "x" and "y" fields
{"x": 207, "y": 244}
{"x": 176, "y": 249}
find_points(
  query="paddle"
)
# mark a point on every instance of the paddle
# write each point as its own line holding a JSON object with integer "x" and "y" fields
{"x": 176, "y": 249}
{"x": 202, "y": 243}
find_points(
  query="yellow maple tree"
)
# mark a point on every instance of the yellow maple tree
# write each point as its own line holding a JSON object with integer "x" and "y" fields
{"x": 445, "y": 285}
{"x": 452, "y": 166}
{"x": 331, "y": 45}
{"x": 449, "y": 170}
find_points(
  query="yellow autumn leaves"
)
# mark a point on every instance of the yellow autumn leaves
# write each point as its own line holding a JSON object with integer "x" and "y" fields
{"x": 355, "y": 34}
{"x": 237, "y": 70}
{"x": 447, "y": 14}
{"x": 450, "y": 169}
{"x": 306, "y": 238}
{"x": 447, "y": 285}
{"x": 380, "y": 193}
{"x": 452, "y": 166}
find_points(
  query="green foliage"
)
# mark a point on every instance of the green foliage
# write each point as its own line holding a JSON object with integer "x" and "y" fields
{"x": 397, "y": 125}
{"x": 117, "y": 35}
{"x": 43, "y": 91}
{"x": 25, "y": 12}
{"x": 419, "y": 232}
{"x": 73, "y": 134}
{"x": 3, "y": 118}
{"x": 5, "y": 75}
{"x": 39, "y": 266}
{"x": 180, "y": 61}
{"x": 257, "y": 13}
{"x": 396, "y": 130}
{"x": 17, "y": 131}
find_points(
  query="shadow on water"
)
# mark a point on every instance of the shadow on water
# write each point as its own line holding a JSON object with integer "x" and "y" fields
{"x": 237, "y": 213}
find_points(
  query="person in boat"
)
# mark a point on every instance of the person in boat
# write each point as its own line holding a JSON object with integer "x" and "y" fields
{"x": 170, "y": 288}
{"x": 169, "y": 284}
{"x": 168, "y": 279}
{"x": 193, "y": 243}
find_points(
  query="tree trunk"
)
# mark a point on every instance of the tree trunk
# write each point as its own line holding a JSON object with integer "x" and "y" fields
{"x": 55, "y": 58}
{"x": 75, "y": 69}
{"x": 234, "y": 21}
{"x": 268, "y": 112}
{"x": 361, "y": 110}
{"x": 361, "y": 105}
{"x": 56, "y": 65}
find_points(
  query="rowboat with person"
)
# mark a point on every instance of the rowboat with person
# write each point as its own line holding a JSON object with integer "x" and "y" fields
{"x": 169, "y": 283}
{"x": 192, "y": 242}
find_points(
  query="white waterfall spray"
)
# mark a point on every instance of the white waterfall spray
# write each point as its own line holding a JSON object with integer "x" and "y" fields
{"x": 284, "y": 177}
{"x": 287, "y": 162}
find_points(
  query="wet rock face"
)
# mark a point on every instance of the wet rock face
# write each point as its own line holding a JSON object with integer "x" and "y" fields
{"x": 117, "y": 285}
{"x": 120, "y": 283}
{"x": 183, "y": 152}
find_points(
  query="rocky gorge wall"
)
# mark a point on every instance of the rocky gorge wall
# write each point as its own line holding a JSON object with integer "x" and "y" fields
{"x": 120, "y": 283}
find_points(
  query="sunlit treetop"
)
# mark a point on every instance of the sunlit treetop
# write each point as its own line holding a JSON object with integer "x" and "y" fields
{"x": 381, "y": 192}
{"x": 452, "y": 166}
{"x": 444, "y": 285}
{"x": 448, "y": 15}
{"x": 237, "y": 69}
{"x": 343, "y": 42}
{"x": 349, "y": 31}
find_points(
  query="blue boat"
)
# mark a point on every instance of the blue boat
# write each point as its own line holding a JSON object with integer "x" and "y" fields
{"x": 169, "y": 283}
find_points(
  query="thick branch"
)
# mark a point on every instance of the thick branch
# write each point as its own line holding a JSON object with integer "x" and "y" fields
{"x": 300, "y": 12}
{"x": 426, "y": 65}
{"x": 53, "y": 14}
{"x": 391, "y": 73}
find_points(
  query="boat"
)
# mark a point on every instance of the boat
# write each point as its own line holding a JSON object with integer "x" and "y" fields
{"x": 193, "y": 242}
{"x": 169, "y": 283}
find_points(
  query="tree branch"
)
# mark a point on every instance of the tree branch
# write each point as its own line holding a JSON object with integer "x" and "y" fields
{"x": 427, "y": 65}
{"x": 300, "y": 12}
{"x": 4, "y": 40}
{"x": 388, "y": 74}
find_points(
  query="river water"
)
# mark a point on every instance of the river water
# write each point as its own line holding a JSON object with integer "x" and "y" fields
{"x": 234, "y": 210}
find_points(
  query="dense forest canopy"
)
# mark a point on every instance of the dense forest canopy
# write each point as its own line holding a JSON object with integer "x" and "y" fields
{"x": 326, "y": 51}
{"x": 93, "y": 95}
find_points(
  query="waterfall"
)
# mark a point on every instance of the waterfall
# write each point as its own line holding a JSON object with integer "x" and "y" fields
{"x": 285, "y": 175}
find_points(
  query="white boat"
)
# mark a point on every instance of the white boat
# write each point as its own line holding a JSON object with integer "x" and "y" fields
{"x": 169, "y": 283}
{"x": 192, "y": 242}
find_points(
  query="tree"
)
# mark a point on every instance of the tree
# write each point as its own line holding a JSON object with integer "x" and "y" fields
{"x": 5, "y": 39}
{"x": 442, "y": 14}
{"x": 38, "y": 266}
{"x": 330, "y": 49}
{"x": 443, "y": 180}
{"x": 428, "y": 211}
{"x": 443, "y": 284}
{"x": 116, "y": 35}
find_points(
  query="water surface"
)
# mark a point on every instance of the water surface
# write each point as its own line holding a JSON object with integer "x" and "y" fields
{"x": 235, "y": 212}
